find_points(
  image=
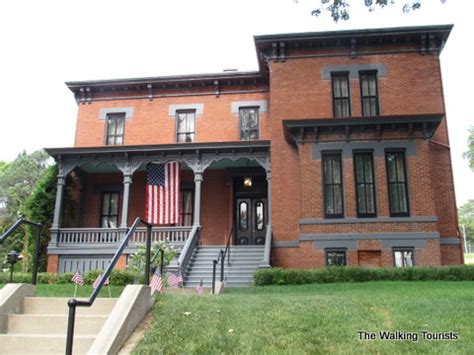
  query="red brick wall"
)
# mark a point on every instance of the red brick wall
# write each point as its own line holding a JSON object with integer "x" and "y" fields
{"x": 151, "y": 123}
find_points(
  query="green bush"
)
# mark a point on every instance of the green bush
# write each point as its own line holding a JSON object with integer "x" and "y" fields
{"x": 279, "y": 276}
{"x": 117, "y": 278}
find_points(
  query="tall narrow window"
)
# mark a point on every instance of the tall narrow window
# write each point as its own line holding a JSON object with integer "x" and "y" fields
{"x": 340, "y": 95}
{"x": 186, "y": 208}
{"x": 397, "y": 183}
{"x": 115, "y": 128}
{"x": 249, "y": 123}
{"x": 369, "y": 93}
{"x": 109, "y": 211}
{"x": 365, "y": 188}
{"x": 185, "y": 126}
{"x": 332, "y": 172}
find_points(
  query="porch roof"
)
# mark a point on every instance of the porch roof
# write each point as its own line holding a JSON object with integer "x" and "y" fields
{"x": 162, "y": 150}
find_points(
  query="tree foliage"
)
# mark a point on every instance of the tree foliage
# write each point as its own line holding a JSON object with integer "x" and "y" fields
{"x": 17, "y": 182}
{"x": 39, "y": 207}
{"x": 469, "y": 155}
{"x": 339, "y": 9}
{"x": 466, "y": 218}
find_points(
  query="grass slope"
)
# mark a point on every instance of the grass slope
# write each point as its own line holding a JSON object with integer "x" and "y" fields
{"x": 313, "y": 319}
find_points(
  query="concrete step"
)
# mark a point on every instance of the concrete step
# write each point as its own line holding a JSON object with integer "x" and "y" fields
{"x": 53, "y": 324}
{"x": 49, "y": 305}
{"x": 42, "y": 343}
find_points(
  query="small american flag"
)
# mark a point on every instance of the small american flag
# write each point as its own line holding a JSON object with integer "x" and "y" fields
{"x": 200, "y": 288}
{"x": 156, "y": 283}
{"x": 77, "y": 278}
{"x": 97, "y": 281}
{"x": 174, "y": 279}
{"x": 162, "y": 193}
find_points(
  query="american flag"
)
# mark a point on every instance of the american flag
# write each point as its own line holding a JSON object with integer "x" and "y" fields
{"x": 200, "y": 288}
{"x": 97, "y": 281}
{"x": 156, "y": 283}
{"x": 78, "y": 279}
{"x": 162, "y": 193}
{"x": 174, "y": 279}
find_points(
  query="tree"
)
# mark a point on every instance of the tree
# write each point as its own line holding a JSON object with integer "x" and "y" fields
{"x": 339, "y": 9}
{"x": 17, "y": 182}
{"x": 39, "y": 207}
{"x": 469, "y": 155}
{"x": 466, "y": 218}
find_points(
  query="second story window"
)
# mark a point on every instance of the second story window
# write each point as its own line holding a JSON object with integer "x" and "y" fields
{"x": 249, "y": 123}
{"x": 185, "y": 126}
{"x": 340, "y": 95}
{"x": 397, "y": 183}
{"x": 332, "y": 179}
{"x": 115, "y": 128}
{"x": 369, "y": 93}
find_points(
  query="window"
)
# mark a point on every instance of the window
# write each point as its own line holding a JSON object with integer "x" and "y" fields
{"x": 248, "y": 123}
{"x": 336, "y": 257}
{"x": 403, "y": 257}
{"x": 185, "y": 126}
{"x": 186, "y": 208}
{"x": 365, "y": 187}
{"x": 368, "y": 93}
{"x": 115, "y": 128}
{"x": 332, "y": 175}
{"x": 340, "y": 95}
{"x": 109, "y": 211}
{"x": 397, "y": 183}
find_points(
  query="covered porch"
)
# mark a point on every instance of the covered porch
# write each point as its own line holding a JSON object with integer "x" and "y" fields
{"x": 101, "y": 190}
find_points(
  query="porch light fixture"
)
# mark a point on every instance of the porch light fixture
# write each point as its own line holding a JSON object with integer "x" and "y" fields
{"x": 248, "y": 182}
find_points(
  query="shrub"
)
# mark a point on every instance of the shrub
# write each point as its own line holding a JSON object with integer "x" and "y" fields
{"x": 279, "y": 276}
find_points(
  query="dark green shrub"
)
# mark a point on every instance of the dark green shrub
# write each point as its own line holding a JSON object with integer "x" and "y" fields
{"x": 279, "y": 276}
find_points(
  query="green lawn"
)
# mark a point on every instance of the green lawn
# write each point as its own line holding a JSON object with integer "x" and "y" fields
{"x": 313, "y": 319}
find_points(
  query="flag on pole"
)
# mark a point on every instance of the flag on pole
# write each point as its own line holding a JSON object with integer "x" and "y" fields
{"x": 162, "y": 193}
{"x": 200, "y": 288}
{"x": 77, "y": 278}
{"x": 97, "y": 281}
{"x": 174, "y": 279}
{"x": 156, "y": 283}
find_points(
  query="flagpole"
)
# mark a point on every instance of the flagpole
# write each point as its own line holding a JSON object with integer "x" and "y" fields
{"x": 75, "y": 290}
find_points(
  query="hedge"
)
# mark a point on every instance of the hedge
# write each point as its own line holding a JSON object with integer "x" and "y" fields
{"x": 279, "y": 276}
{"x": 117, "y": 278}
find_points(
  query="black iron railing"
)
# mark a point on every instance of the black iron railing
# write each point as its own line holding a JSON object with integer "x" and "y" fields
{"x": 73, "y": 303}
{"x": 37, "y": 226}
{"x": 223, "y": 254}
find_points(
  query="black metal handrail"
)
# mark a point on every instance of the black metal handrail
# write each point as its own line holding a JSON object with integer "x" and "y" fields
{"x": 223, "y": 254}
{"x": 36, "y": 225}
{"x": 73, "y": 303}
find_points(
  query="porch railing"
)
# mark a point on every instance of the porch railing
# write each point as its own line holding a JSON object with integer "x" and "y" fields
{"x": 81, "y": 236}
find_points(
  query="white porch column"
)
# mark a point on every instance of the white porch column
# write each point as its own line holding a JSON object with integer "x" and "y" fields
{"x": 198, "y": 178}
{"x": 127, "y": 182}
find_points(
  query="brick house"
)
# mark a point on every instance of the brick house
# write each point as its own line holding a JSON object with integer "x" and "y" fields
{"x": 335, "y": 152}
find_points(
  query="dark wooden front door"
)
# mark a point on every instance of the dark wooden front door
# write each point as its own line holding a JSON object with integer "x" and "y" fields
{"x": 251, "y": 219}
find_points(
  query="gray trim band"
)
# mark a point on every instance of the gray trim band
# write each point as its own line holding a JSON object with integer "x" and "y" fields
{"x": 103, "y": 112}
{"x": 286, "y": 244}
{"x": 368, "y": 236}
{"x": 236, "y": 105}
{"x": 377, "y": 147}
{"x": 173, "y": 108}
{"x": 450, "y": 241}
{"x": 353, "y": 70}
{"x": 318, "y": 221}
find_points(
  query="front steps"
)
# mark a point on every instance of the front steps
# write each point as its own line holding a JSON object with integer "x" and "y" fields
{"x": 41, "y": 327}
{"x": 244, "y": 262}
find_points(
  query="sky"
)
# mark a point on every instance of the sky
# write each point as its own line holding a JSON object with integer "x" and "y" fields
{"x": 45, "y": 43}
